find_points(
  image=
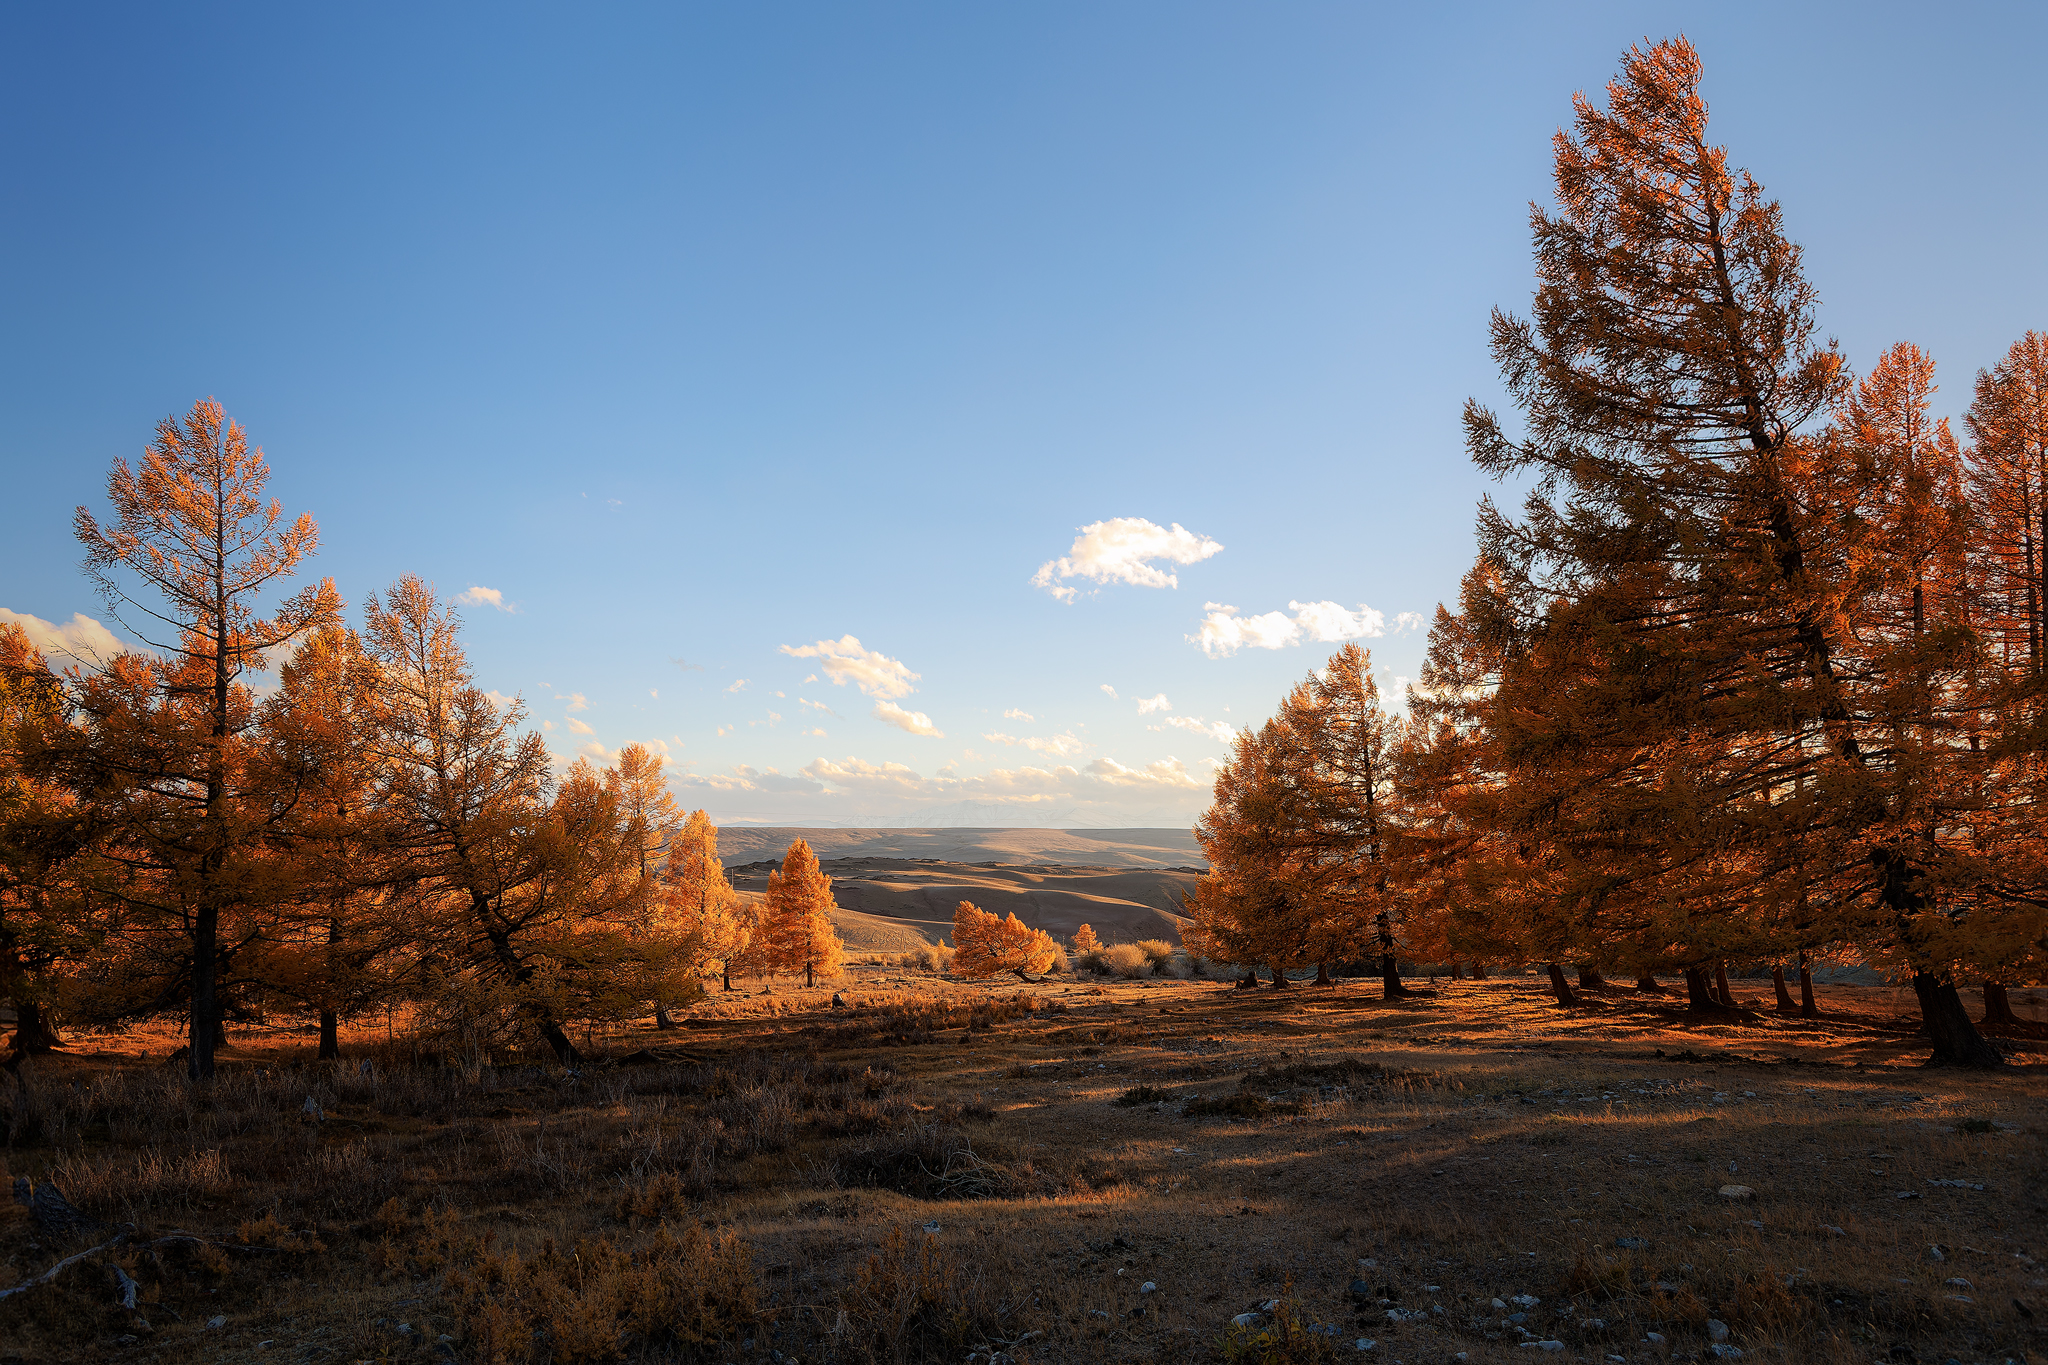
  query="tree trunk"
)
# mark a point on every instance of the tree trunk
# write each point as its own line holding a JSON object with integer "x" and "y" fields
{"x": 1726, "y": 996}
{"x": 34, "y": 1031}
{"x": 205, "y": 1004}
{"x": 1456, "y": 967}
{"x": 1479, "y": 969}
{"x": 1785, "y": 1005}
{"x": 330, "y": 1034}
{"x": 1279, "y": 977}
{"x": 1561, "y": 986}
{"x": 1646, "y": 984}
{"x": 1590, "y": 978}
{"x": 565, "y": 1051}
{"x": 1699, "y": 994}
{"x": 1806, "y": 1005}
{"x": 1956, "y": 1040}
{"x": 1997, "y": 1007}
{"x": 810, "y": 976}
{"x": 1390, "y": 977}
{"x": 661, "y": 1019}
{"x": 1323, "y": 974}
{"x": 1248, "y": 980}
{"x": 725, "y": 975}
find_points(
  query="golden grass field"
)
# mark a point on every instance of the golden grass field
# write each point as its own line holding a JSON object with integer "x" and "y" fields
{"x": 939, "y": 1172}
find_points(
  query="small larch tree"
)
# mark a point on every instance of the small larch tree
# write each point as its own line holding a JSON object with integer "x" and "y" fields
{"x": 987, "y": 946}
{"x": 796, "y": 918}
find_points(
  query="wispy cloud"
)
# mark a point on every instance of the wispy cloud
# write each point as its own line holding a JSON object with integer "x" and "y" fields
{"x": 1122, "y": 550}
{"x": 576, "y": 700}
{"x": 686, "y": 665}
{"x": 1110, "y": 690}
{"x": 818, "y": 706}
{"x": 916, "y": 722}
{"x": 577, "y": 727}
{"x": 1224, "y": 632}
{"x": 1057, "y": 745}
{"x": 846, "y": 660}
{"x": 1147, "y": 705}
{"x": 479, "y": 596}
{"x": 1167, "y": 772}
{"x": 736, "y": 685}
{"x": 1014, "y": 714}
{"x": 1220, "y": 731}
{"x": 1407, "y": 621}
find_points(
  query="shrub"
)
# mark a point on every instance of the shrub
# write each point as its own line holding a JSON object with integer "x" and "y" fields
{"x": 1127, "y": 960}
{"x": 991, "y": 946}
{"x": 1157, "y": 949}
{"x": 927, "y": 957}
{"x": 1180, "y": 967}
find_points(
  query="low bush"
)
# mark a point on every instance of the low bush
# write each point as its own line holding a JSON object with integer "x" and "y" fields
{"x": 927, "y": 957}
{"x": 1142, "y": 1094}
{"x": 936, "y": 1162}
{"x": 1125, "y": 960}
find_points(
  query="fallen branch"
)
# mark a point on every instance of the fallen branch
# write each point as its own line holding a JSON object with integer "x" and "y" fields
{"x": 54, "y": 1271}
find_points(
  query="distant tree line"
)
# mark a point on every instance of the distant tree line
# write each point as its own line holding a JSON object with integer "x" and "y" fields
{"x": 1758, "y": 672}
{"x": 373, "y": 829}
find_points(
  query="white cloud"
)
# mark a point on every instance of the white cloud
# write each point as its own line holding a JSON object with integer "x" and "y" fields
{"x": 818, "y": 706}
{"x": 1408, "y": 620}
{"x": 1110, "y": 690}
{"x": 596, "y": 753}
{"x": 814, "y": 731}
{"x": 654, "y": 692}
{"x": 1059, "y": 745}
{"x": 1167, "y": 772}
{"x": 724, "y": 730}
{"x": 576, "y": 701}
{"x": 577, "y": 727}
{"x": 80, "y": 640}
{"x": 1014, "y": 714}
{"x": 1225, "y": 632}
{"x": 916, "y": 722}
{"x": 547, "y": 725}
{"x": 481, "y": 596}
{"x": 847, "y": 660}
{"x": 1121, "y": 550}
{"x": 737, "y": 684}
{"x": 501, "y": 701}
{"x": 1147, "y": 705}
{"x": 1220, "y": 731}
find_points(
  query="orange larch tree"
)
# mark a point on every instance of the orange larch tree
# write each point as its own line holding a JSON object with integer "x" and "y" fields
{"x": 987, "y": 946}
{"x": 796, "y": 917}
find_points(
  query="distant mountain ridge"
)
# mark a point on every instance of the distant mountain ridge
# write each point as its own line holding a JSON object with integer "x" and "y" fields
{"x": 1156, "y": 848}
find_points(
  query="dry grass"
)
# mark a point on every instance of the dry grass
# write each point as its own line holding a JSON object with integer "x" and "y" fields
{"x": 941, "y": 1171}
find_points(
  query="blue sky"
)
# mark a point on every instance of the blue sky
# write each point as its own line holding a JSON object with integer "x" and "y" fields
{"x": 708, "y": 333}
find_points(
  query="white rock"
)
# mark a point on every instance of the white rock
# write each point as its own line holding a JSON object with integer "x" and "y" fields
{"x": 1654, "y": 1338}
{"x": 1498, "y": 1304}
{"x": 1525, "y": 1300}
{"x": 1726, "y": 1352}
{"x": 1367, "y": 1344}
{"x": 1934, "y": 1254}
{"x": 312, "y": 1107}
{"x": 1716, "y": 1330}
{"x": 932, "y": 1226}
{"x": 1958, "y": 1284}
{"x": 1245, "y": 1320}
{"x": 217, "y": 1321}
{"x": 1737, "y": 1192}
{"x": 1148, "y": 1288}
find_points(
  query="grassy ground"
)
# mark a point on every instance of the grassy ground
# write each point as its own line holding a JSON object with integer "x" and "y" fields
{"x": 942, "y": 1171}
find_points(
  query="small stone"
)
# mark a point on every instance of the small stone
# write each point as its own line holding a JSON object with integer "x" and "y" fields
{"x": 1958, "y": 1284}
{"x": 1360, "y": 1290}
{"x": 1148, "y": 1288}
{"x": 1368, "y": 1263}
{"x": 931, "y": 1227}
{"x": 1831, "y": 1230}
{"x": 1241, "y": 1320}
{"x": 1368, "y": 1344}
{"x": 1934, "y": 1253}
{"x": 1726, "y": 1352}
{"x": 1526, "y": 1300}
{"x": 1632, "y": 1243}
{"x": 1545, "y": 1345}
{"x": 1498, "y": 1304}
{"x": 1737, "y": 1192}
{"x": 312, "y": 1109}
{"x": 1518, "y": 1318}
{"x": 218, "y": 1320}
{"x": 838, "y": 1002}
{"x": 1596, "y": 1324}
{"x": 1654, "y": 1338}
{"x": 1717, "y": 1330}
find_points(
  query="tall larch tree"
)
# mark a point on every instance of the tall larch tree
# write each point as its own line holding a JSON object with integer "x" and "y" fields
{"x": 701, "y": 905}
{"x": 191, "y": 554}
{"x": 1257, "y": 903}
{"x": 796, "y": 917}
{"x": 1682, "y": 578}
